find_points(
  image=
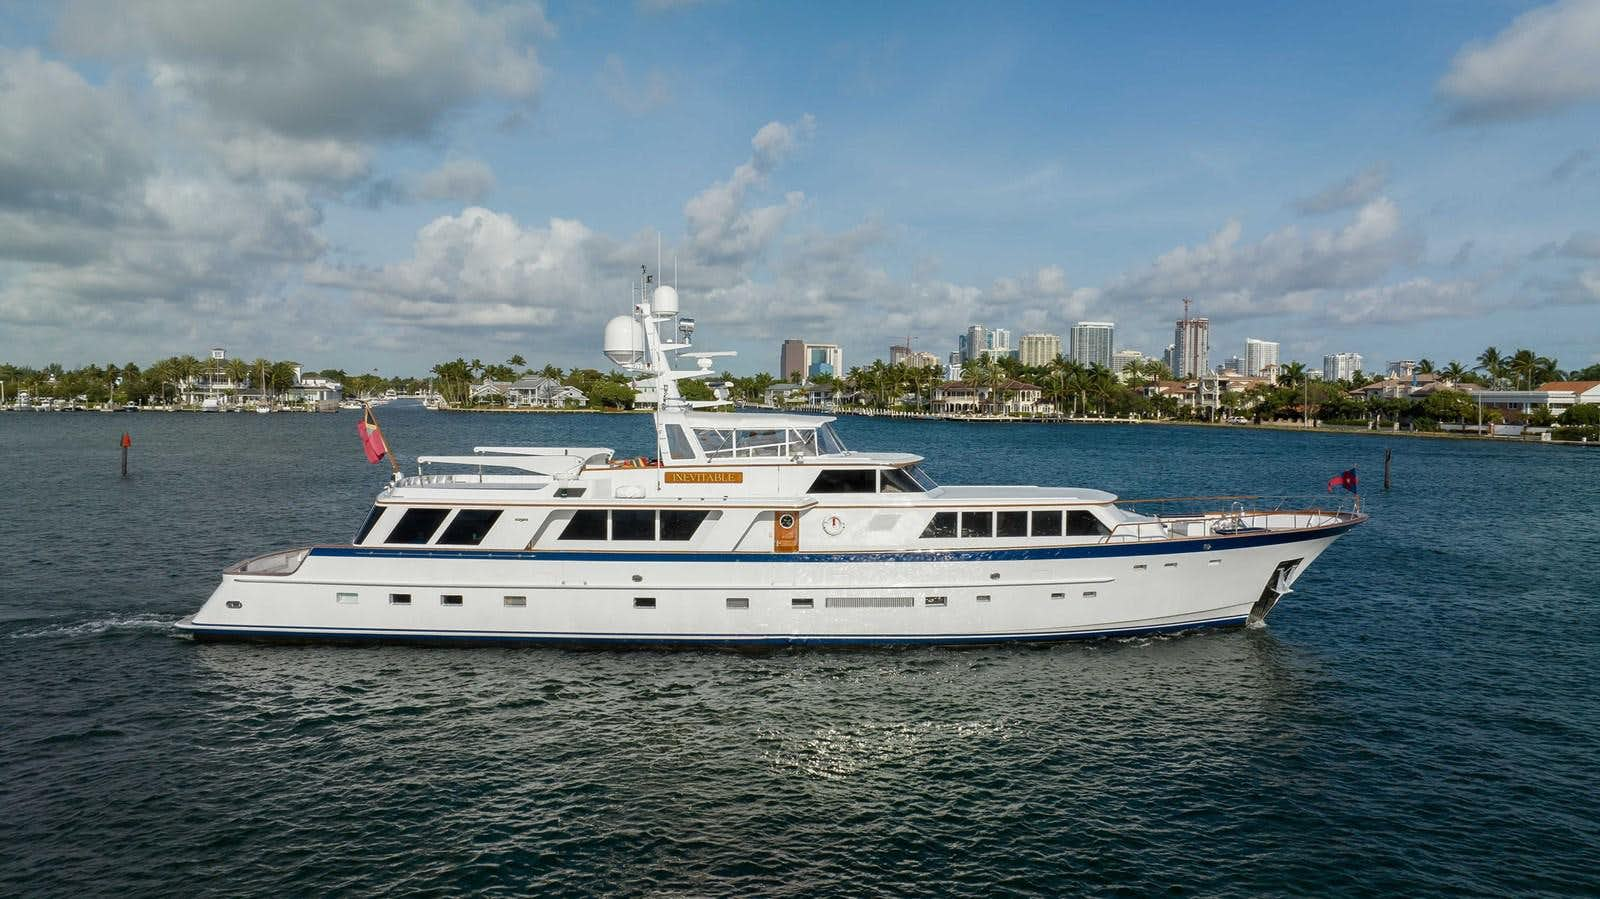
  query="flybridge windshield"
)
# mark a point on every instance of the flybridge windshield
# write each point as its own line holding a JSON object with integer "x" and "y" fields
{"x": 728, "y": 443}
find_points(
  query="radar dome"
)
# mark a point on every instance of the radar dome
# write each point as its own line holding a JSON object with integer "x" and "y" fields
{"x": 624, "y": 342}
{"x": 664, "y": 301}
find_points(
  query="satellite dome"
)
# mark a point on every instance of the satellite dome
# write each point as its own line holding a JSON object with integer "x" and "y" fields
{"x": 664, "y": 301}
{"x": 624, "y": 342}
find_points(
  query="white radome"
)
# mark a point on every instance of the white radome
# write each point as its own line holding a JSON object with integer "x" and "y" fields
{"x": 664, "y": 301}
{"x": 624, "y": 341}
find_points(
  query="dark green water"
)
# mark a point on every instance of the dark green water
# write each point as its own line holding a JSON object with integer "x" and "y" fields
{"x": 1421, "y": 716}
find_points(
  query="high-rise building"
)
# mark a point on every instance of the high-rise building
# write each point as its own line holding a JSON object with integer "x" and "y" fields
{"x": 1091, "y": 343}
{"x": 1260, "y": 358}
{"x": 809, "y": 359}
{"x": 823, "y": 359}
{"x": 998, "y": 341}
{"x": 921, "y": 359}
{"x": 1121, "y": 359}
{"x": 1191, "y": 342}
{"x": 1038, "y": 349}
{"x": 1234, "y": 364}
{"x": 791, "y": 359}
{"x": 1169, "y": 357}
{"x": 1340, "y": 366}
{"x": 973, "y": 345}
{"x": 898, "y": 354}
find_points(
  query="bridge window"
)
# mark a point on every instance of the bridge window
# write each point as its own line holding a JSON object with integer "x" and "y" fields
{"x": 715, "y": 442}
{"x": 922, "y": 478}
{"x": 1083, "y": 524}
{"x": 977, "y": 524}
{"x": 586, "y": 524}
{"x": 897, "y": 481}
{"x": 760, "y": 443}
{"x": 845, "y": 480}
{"x": 417, "y": 525}
{"x": 1011, "y": 524}
{"x": 803, "y": 442}
{"x": 942, "y": 525}
{"x": 1047, "y": 524}
{"x": 366, "y": 528}
{"x": 678, "y": 443}
{"x": 828, "y": 443}
{"x": 469, "y": 527}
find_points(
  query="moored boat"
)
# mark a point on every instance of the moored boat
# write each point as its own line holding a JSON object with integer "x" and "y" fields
{"x": 751, "y": 529}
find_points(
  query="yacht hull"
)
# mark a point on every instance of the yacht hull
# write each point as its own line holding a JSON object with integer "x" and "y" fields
{"x": 349, "y": 594}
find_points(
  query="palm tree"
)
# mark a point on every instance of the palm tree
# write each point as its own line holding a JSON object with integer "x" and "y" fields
{"x": 1525, "y": 365}
{"x": 1455, "y": 372}
{"x": 1425, "y": 367}
{"x": 280, "y": 375}
{"x": 1492, "y": 364}
{"x": 997, "y": 377}
{"x": 237, "y": 370}
{"x": 1292, "y": 374}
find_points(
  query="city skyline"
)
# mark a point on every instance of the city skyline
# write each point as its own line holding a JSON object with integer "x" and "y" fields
{"x": 177, "y": 175}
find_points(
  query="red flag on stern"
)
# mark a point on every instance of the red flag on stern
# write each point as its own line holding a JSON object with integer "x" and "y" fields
{"x": 371, "y": 438}
{"x": 1346, "y": 480}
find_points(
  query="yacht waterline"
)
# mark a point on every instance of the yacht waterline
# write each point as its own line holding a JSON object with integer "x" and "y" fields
{"x": 753, "y": 530}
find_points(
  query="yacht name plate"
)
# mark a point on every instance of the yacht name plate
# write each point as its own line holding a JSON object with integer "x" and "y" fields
{"x": 705, "y": 477}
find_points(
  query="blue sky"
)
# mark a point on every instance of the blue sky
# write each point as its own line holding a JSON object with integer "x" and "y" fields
{"x": 390, "y": 184}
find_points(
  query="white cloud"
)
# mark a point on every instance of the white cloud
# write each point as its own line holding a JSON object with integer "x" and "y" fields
{"x": 467, "y": 180}
{"x": 1546, "y": 59}
{"x": 481, "y": 269}
{"x": 64, "y": 143}
{"x": 1582, "y": 244}
{"x": 722, "y": 232}
{"x": 1347, "y": 194}
{"x": 1269, "y": 274}
{"x": 650, "y": 94}
{"x": 369, "y": 69}
{"x": 268, "y": 156}
{"x": 1416, "y": 299}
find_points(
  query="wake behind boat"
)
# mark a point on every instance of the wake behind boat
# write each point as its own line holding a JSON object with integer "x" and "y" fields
{"x": 749, "y": 530}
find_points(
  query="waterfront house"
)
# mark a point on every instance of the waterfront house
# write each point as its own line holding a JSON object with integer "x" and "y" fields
{"x": 530, "y": 392}
{"x": 1011, "y": 398}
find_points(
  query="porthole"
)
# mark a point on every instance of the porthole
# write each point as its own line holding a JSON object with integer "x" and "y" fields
{"x": 644, "y": 602}
{"x": 235, "y": 604}
{"x": 983, "y": 597}
{"x": 802, "y": 602}
{"x": 935, "y": 600}
{"x": 399, "y": 599}
{"x": 515, "y": 602}
{"x": 1058, "y": 596}
{"x": 347, "y": 599}
{"x": 738, "y": 602}
{"x": 1090, "y": 594}
{"x": 451, "y": 599}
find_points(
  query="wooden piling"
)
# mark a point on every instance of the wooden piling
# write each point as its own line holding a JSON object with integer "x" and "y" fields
{"x": 126, "y": 441}
{"x": 1388, "y": 454}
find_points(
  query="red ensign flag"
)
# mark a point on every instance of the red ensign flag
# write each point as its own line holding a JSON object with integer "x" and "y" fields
{"x": 1346, "y": 480}
{"x": 371, "y": 437}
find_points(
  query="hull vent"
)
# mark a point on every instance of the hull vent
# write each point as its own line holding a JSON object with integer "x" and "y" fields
{"x": 871, "y": 602}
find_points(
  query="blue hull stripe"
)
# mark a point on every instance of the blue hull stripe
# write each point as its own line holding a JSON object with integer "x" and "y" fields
{"x": 402, "y": 635}
{"x": 1090, "y": 551}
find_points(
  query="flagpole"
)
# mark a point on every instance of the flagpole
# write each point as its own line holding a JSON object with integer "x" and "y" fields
{"x": 384, "y": 440}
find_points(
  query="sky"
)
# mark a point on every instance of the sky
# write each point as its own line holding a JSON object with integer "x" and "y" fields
{"x": 386, "y": 184}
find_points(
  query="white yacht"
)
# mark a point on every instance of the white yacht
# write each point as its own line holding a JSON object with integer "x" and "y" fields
{"x": 749, "y": 530}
